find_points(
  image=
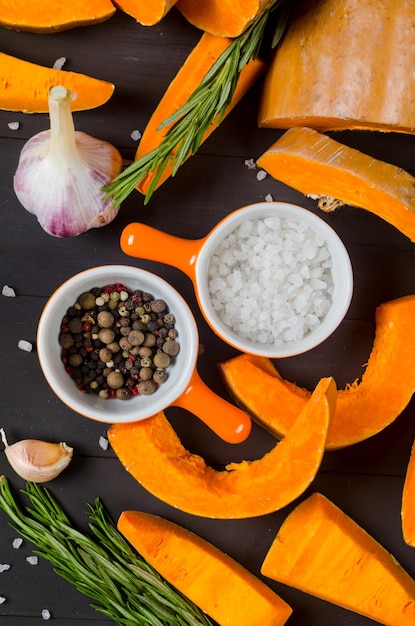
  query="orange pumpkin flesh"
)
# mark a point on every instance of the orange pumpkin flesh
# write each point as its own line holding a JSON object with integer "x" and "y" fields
{"x": 45, "y": 16}
{"x": 196, "y": 66}
{"x": 323, "y": 552}
{"x": 216, "y": 583}
{"x": 408, "y": 499}
{"x": 147, "y": 13}
{"x": 317, "y": 165}
{"x": 362, "y": 410}
{"x": 151, "y": 451}
{"x": 25, "y": 86}
{"x": 343, "y": 64}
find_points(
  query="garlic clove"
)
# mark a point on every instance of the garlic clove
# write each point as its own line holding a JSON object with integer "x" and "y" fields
{"x": 35, "y": 460}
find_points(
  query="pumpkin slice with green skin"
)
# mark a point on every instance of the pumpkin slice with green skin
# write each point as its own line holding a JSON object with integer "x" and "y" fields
{"x": 362, "y": 410}
{"x": 152, "y": 452}
{"x": 323, "y": 552}
{"x": 335, "y": 174}
{"x": 408, "y": 499}
{"x": 147, "y": 13}
{"x": 46, "y": 16}
{"x": 218, "y": 585}
{"x": 25, "y": 86}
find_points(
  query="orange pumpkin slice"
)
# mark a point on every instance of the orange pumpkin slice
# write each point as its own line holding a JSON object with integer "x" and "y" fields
{"x": 335, "y": 174}
{"x": 46, "y": 16}
{"x": 408, "y": 499}
{"x": 151, "y": 451}
{"x": 361, "y": 409}
{"x": 322, "y": 551}
{"x": 212, "y": 580}
{"x": 25, "y": 87}
{"x": 146, "y": 13}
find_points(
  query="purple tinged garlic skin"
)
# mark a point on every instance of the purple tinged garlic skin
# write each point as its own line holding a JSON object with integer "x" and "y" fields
{"x": 61, "y": 173}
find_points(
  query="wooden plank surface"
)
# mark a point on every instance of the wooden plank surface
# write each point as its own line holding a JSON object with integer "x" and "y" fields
{"x": 365, "y": 480}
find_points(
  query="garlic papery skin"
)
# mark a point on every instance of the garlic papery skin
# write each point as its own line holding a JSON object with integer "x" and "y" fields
{"x": 61, "y": 173}
{"x": 35, "y": 460}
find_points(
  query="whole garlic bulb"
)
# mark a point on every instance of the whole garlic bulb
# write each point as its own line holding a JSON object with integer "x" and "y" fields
{"x": 35, "y": 460}
{"x": 61, "y": 173}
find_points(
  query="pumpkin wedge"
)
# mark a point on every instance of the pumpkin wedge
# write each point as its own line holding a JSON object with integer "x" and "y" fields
{"x": 24, "y": 86}
{"x": 151, "y": 451}
{"x": 335, "y": 174}
{"x": 323, "y": 552}
{"x": 361, "y": 411}
{"x": 198, "y": 63}
{"x": 408, "y": 499}
{"x": 225, "y": 18}
{"x": 328, "y": 72}
{"x": 46, "y": 16}
{"x": 147, "y": 13}
{"x": 217, "y": 584}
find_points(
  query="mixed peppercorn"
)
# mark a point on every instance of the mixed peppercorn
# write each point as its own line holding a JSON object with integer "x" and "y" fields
{"x": 117, "y": 343}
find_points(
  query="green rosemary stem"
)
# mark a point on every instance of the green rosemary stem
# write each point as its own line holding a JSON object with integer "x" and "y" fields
{"x": 206, "y": 105}
{"x": 103, "y": 566}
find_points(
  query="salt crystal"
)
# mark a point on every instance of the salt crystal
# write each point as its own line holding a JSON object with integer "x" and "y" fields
{"x": 46, "y": 614}
{"x": 32, "y": 560}
{"x": 17, "y": 542}
{"x": 25, "y": 345}
{"x": 103, "y": 442}
{"x": 269, "y": 198}
{"x": 250, "y": 164}
{"x": 2, "y": 599}
{"x": 261, "y": 175}
{"x": 135, "y": 135}
{"x": 59, "y": 63}
{"x": 4, "y": 567}
{"x": 13, "y": 125}
{"x": 9, "y": 292}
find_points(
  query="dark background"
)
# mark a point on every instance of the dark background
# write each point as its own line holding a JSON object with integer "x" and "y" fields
{"x": 365, "y": 480}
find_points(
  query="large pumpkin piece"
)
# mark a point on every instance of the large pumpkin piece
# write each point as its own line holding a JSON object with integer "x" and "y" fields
{"x": 322, "y": 551}
{"x": 344, "y": 64}
{"x": 408, "y": 500}
{"x": 49, "y": 16}
{"x": 151, "y": 451}
{"x": 363, "y": 409}
{"x": 335, "y": 174}
{"x": 148, "y": 12}
{"x": 217, "y": 584}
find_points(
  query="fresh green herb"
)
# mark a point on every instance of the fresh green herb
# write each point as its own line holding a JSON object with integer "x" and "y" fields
{"x": 102, "y": 566}
{"x": 207, "y": 103}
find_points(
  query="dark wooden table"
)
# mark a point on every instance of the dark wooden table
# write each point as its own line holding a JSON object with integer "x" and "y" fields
{"x": 365, "y": 480}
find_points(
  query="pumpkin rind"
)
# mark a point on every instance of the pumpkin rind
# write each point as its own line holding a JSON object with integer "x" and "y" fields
{"x": 151, "y": 451}
{"x": 25, "y": 86}
{"x": 343, "y": 64}
{"x": 323, "y": 552}
{"x": 361, "y": 409}
{"x": 217, "y": 584}
{"x": 321, "y": 167}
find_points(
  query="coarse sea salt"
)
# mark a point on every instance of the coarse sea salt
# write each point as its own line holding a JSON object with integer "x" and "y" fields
{"x": 270, "y": 280}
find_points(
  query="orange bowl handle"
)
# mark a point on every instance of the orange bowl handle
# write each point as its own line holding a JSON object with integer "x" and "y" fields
{"x": 226, "y": 420}
{"x": 142, "y": 241}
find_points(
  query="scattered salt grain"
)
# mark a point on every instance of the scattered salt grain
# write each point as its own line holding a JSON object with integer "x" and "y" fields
{"x": 17, "y": 543}
{"x": 59, "y": 63}
{"x": 13, "y": 125}
{"x": 46, "y": 614}
{"x": 250, "y": 164}
{"x": 270, "y": 280}
{"x": 4, "y": 567}
{"x": 103, "y": 442}
{"x": 269, "y": 198}
{"x": 25, "y": 345}
{"x": 135, "y": 135}
{"x": 32, "y": 560}
{"x": 2, "y": 599}
{"x": 9, "y": 292}
{"x": 261, "y": 175}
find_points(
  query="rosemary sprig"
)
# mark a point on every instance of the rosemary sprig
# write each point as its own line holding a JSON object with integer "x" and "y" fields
{"x": 102, "y": 566}
{"x": 207, "y": 103}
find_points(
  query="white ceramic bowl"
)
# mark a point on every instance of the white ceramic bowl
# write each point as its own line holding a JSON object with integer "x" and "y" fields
{"x": 114, "y": 410}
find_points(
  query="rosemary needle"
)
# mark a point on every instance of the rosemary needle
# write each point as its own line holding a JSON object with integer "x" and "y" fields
{"x": 207, "y": 104}
{"x": 102, "y": 566}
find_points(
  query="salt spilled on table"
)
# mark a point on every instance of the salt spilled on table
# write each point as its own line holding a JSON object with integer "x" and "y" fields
{"x": 270, "y": 280}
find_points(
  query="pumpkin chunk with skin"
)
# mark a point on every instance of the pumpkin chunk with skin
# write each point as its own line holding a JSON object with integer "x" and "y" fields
{"x": 46, "y": 16}
{"x": 361, "y": 409}
{"x": 408, "y": 499}
{"x": 343, "y": 64}
{"x": 198, "y": 63}
{"x": 321, "y": 167}
{"x": 225, "y": 18}
{"x": 148, "y": 12}
{"x": 25, "y": 87}
{"x": 323, "y": 552}
{"x": 151, "y": 451}
{"x": 217, "y": 584}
